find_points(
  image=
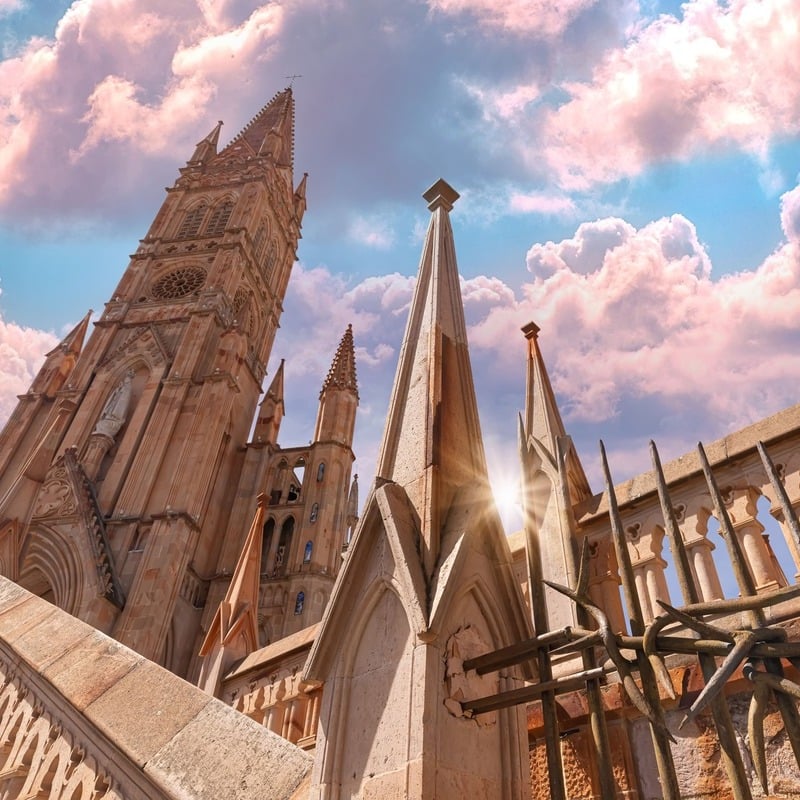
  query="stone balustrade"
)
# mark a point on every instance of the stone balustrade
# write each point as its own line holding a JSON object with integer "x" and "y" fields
{"x": 84, "y": 718}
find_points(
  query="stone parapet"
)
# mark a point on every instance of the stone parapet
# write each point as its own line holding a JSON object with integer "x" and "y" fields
{"x": 83, "y": 716}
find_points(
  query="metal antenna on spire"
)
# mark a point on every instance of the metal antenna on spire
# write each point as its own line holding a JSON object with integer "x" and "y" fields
{"x": 291, "y": 78}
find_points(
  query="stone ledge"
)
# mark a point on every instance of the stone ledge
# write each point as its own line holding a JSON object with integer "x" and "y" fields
{"x": 189, "y": 744}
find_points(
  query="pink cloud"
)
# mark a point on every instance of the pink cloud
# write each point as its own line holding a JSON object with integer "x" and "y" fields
{"x": 22, "y": 352}
{"x": 124, "y": 78}
{"x": 631, "y": 314}
{"x": 539, "y": 203}
{"x": 723, "y": 74}
{"x": 530, "y": 17}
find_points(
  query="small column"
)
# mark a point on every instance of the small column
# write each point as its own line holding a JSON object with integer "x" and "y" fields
{"x": 705, "y": 573}
{"x": 750, "y": 532}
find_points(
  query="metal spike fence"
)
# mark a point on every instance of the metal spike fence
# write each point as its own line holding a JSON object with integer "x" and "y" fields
{"x": 756, "y": 646}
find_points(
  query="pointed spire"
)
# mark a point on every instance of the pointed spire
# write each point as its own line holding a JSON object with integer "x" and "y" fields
{"x": 271, "y": 411}
{"x": 338, "y": 400}
{"x": 73, "y": 341}
{"x": 342, "y": 374}
{"x": 300, "y": 204}
{"x": 61, "y": 360}
{"x": 206, "y": 149}
{"x": 271, "y": 131}
{"x": 432, "y": 444}
{"x": 542, "y": 417}
{"x": 233, "y": 632}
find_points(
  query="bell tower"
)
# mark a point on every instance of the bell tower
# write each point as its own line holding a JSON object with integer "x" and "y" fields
{"x": 157, "y": 410}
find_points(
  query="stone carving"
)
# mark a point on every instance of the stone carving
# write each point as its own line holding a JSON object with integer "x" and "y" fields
{"x": 116, "y": 408}
{"x": 39, "y": 756}
{"x": 55, "y": 499}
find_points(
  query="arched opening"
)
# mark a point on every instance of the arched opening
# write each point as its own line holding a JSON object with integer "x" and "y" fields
{"x": 283, "y": 552}
{"x": 219, "y": 219}
{"x": 192, "y": 221}
{"x": 307, "y": 552}
{"x": 267, "y": 533}
{"x": 299, "y": 602}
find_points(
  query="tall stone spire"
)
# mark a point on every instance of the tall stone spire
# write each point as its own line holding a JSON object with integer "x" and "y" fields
{"x": 271, "y": 410}
{"x": 342, "y": 373}
{"x": 432, "y": 444}
{"x": 429, "y": 553}
{"x": 553, "y": 479}
{"x": 338, "y": 399}
{"x": 542, "y": 417}
{"x": 271, "y": 131}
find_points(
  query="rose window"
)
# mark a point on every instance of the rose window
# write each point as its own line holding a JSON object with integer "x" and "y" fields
{"x": 178, "y": 283}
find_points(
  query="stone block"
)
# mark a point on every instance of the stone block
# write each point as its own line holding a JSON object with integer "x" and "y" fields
{"x": 145, "y": 709}
{"x": 221, "y": 753}
{"x": 49, "y": 637}
{"x": 90, "y": 668}
{"x": 19, "y": 617}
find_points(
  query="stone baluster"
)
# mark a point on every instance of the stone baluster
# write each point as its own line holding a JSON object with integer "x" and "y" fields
{"x": 648, "y": 567}
{"x": 604, "y": 582}
{"x": 742, "y": 508}
{"x": 699, "y": 549}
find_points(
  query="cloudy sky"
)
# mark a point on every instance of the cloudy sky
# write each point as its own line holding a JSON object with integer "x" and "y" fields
{"x": 628, "y": 172}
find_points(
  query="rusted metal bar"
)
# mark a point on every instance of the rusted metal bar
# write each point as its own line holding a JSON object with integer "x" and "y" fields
{"x": 780, "y": 490}
{"x": 789, "y": 714}
{"x": 714, "y": 647}
{"x": 658, "y": 729}
{"x": 516, "y": 653}
{"x": 494, "y": 702}
{"x": 731, "y": 755}
{"x": 747, "y": 603}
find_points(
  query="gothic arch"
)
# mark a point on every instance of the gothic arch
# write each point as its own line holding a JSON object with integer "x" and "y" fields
{"x": 49, "y": 563}
{"x": 381, "y": 602}
{"x": 221, "y": 213}
{"x": 192, "y": 219}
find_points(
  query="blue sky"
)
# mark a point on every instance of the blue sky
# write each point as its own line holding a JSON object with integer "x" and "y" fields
{"x": 628, "y": 171}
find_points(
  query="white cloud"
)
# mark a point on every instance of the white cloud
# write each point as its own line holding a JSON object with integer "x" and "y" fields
{"x": 374, "y": 231}
{"x": 723, "y": 74}
{"x": 22, "y": 353}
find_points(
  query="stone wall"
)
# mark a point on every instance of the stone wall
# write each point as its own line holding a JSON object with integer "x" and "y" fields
{"x": 82, "y": 716}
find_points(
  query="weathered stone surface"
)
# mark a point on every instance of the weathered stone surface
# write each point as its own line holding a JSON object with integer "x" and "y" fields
{"x": 126, "y": 720}
{"x": 221, "y": 754}
{"x": 90, "y": 667}
{"x": 147, "y": 693}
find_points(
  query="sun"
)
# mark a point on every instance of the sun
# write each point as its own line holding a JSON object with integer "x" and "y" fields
{"x": 505, "y": 489}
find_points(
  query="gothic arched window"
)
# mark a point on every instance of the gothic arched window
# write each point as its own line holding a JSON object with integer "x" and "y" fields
{"x": 266, "y": 543}
{"x": 219, "y": 219}
{"x": 284, "y": 545}
{"x": 314, "y": 513}
{"x": 192, "y": 222}
{"x": 321, "y": 471}
{"x": 299, "y": 602}
{"x": 307, "y": 551}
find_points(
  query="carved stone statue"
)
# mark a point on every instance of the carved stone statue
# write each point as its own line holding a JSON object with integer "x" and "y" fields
{"x": 116, "y": 408}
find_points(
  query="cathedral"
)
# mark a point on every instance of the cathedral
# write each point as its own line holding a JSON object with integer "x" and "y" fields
{"x": 189, "y": 608}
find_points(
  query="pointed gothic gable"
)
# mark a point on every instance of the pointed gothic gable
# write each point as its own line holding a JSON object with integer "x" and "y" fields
{"x": 427, "y": 580}
{"x": 144, "y": 342}
{"x": 233, "y": 633}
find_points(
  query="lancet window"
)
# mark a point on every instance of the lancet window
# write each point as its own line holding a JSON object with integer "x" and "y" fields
{"x": 192, "y": 221}
{"x": 219, "y": 219}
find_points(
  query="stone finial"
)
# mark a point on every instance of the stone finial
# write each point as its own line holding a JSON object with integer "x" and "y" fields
{"x": 441, "y": 195}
